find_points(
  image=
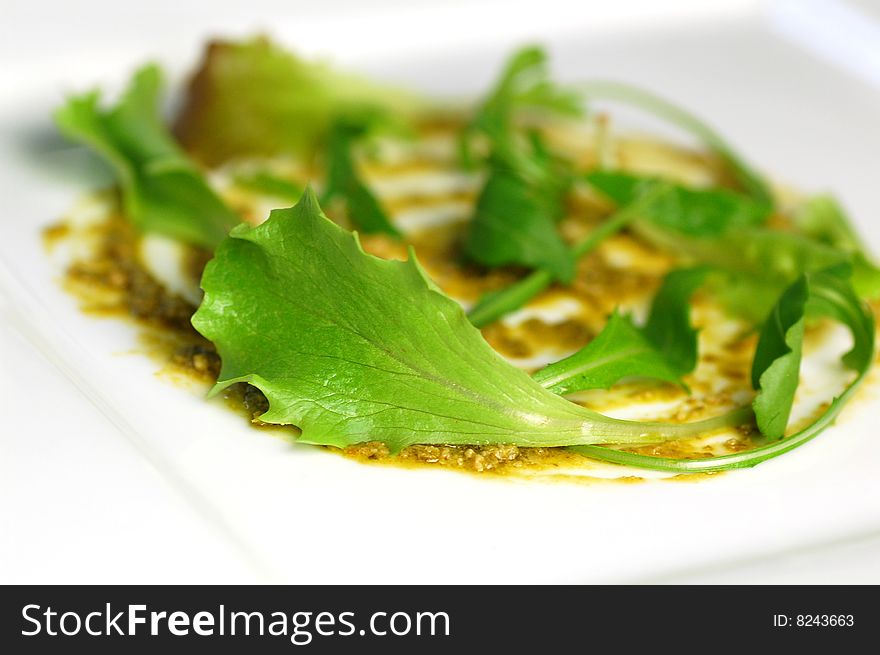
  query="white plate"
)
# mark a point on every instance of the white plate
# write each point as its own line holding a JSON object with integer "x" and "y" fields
{"x": 111, "y": 474}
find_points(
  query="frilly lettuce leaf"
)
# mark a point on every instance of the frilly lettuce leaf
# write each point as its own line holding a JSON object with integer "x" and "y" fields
{"x": 352, "y": 348}
{"x": 252, "y": 98}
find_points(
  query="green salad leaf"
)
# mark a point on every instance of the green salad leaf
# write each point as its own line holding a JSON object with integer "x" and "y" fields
{"x": 771, "y": 254}
{"x": 669, "y": 322}
{"x": 162, "y": 190}
{"x": 252, "y": 98}
{"x": 754, "y": 265}
{"x": 343, "y": 181}
{"x": 524, "y": 85}
{"x": 824, "y": 293}
{"x": 621, "y": 350}
{"x": 516, "y": 215}
{"x": 515, "y": 223}
{"x": 669, "y": 214}
{"x": 694, "y": 212}
{"x": 823, "y": 219}
{"x": 353, "y": 348}
{"x": 705, "y": 213}
{"x": 747, "y": 296}
{"x": 777, "y": 361}
{"x": 496, "y": 304}
{"x": 665, "y": 348}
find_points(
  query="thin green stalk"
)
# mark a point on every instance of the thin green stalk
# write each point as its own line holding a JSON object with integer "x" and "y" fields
{"x": 493, "y": 306}
{"x": 652, "y": 432}
{"x": 745, "y": 459}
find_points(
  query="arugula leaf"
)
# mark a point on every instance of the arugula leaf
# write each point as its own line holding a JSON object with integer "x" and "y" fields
{"x": 688, "y": 212}
{"x": 516, "y": 224}
{"x": 496, "y": 304}
{"x": 524, "y": 85}
{"x": 776, "y": 366}
{"x": 748, "y": 179}
{"x": 515, "y": 218}
{"x": 748, "y": 296}
{"x": 695, "y": 212}
{"x": 823, "y": 219}
{"x": 353, "y": 348}
{"x": 162, "y": 190}
{"x": 493, "y": 305}
{"x": 753, "y": 265}
{"x": 621, "y": 350}
{"x": 771, "y": 255}
{"x": 251, "y": 98}
{"x": 669, "y": 324}
{"x": 759, "y": 263}
{"x": 676, "y": 216}
{"x": 343, "y": 180}
{"x": 664, "y": 349}
{"x": 828, "y": 294}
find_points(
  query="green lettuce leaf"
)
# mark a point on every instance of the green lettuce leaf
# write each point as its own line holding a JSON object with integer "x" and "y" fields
{"x": 162, "y": 190}
{"x": 352, "y": 348}
{"x": 665, "y": 348}
{"x": 252, "y": 98}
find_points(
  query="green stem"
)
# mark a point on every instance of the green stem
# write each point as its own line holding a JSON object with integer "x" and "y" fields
{"x": 593, "y": 428}
{"x": 494, "y": 305}
{"x": 744, "y": 459}
{"x": 748, "y": 179}
{"x": 652, "y": 432}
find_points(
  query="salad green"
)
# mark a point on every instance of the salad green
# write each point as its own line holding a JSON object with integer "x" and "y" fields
{"x": 353, "y": 348}
{"x": 162, "y": 190}
{"x": 665, "y": 348}
{"x": 349, "y": 347}
{"x": 522, "y": 200}
{"x": 827, "y": 294}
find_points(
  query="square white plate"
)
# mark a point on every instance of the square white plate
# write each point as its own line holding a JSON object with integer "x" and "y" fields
{"x": 110, "y": 474}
